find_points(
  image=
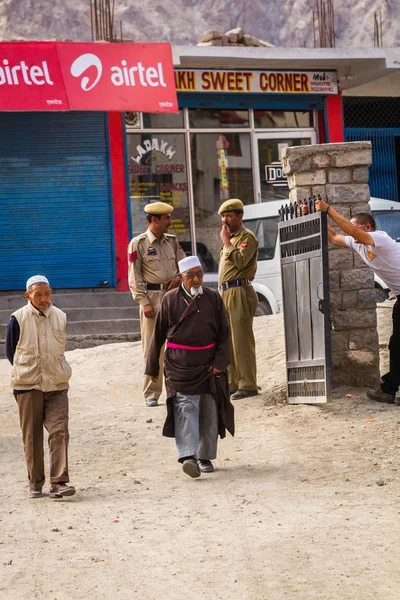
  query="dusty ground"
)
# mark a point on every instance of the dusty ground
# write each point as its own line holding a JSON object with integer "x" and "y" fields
{"x": 304, "y": 504}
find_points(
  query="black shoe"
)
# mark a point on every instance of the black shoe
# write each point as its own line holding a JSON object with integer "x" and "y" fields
{"x": 380, "y": 396}
{"x": 244, "y": 394}
{"x": 191, "y": 468}
{"x": 205, "y": 466}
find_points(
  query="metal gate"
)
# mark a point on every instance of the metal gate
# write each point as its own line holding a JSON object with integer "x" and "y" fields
{"x": 383, "y": 170}
{"x": 305, "y": 283}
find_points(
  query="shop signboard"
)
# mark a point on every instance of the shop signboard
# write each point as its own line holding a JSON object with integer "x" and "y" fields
{"x": 49, "y": 76}
{"x": 256, "y": 82}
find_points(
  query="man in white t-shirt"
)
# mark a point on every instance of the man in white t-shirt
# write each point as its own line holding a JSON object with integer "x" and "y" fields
{"x": 382, "y": 254}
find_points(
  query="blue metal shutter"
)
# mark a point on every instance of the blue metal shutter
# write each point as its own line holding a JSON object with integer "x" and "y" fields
{"x": 383, "y": 170}
{"x": 55, "y": 200}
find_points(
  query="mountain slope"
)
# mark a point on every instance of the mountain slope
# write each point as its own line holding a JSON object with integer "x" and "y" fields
{"x": 281, "y": 22}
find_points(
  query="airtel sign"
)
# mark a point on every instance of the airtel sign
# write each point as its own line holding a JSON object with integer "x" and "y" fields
{"x": 80, "y": 76}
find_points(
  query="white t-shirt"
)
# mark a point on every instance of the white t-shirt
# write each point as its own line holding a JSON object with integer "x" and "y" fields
{"x": 383, "y": 258}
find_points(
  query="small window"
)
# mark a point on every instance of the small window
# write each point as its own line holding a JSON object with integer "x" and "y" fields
{"x": 214, "y": 118}
{"x": 163, "y": 121}
{"x": 266, "y": 231}
{"x": 269, "y": 119}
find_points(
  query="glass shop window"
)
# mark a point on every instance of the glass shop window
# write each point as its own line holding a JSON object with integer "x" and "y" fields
{"x": 210, "y": 118}
{"x": 269, "y": 119}
{"x": 158, "y": 172}
{"x": 221, "y": 169}
{"x": 163, "y": 121}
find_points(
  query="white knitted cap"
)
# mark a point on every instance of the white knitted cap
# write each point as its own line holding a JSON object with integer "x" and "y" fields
{"x": 36, "y": 279}
{"x": 188, "y": 263}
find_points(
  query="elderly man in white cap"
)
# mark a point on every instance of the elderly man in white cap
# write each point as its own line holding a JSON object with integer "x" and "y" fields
{"x": 35, "y": 346}
{"x": 193, "y": 322}
{"x": 153, "y": 267}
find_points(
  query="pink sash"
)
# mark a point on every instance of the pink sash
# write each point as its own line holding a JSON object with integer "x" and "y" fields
{"x": 183, "y": 347}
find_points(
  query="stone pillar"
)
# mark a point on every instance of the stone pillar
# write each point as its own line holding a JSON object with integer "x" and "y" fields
{"x": 339, "y": 174}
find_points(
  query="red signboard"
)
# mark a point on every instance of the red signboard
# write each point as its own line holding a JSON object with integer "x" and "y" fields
{"x": 79, "y": 76}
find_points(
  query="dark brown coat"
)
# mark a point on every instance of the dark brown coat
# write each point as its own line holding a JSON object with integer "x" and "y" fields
{"x": 201, "y": 322}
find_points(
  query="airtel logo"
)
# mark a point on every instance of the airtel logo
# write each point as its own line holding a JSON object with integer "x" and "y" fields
{"x": 82, "y": 64}
{"x": 126, "y": 75}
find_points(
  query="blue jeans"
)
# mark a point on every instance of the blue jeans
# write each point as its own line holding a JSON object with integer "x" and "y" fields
{"x": 196, "y": 425}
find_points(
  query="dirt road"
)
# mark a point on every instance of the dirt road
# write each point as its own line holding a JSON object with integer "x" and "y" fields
{"x": 304, "y": 503}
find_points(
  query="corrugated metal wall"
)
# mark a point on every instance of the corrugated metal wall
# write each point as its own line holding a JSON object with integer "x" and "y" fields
{"x": 55, "y": 200}
{"x": 383, "y": 171}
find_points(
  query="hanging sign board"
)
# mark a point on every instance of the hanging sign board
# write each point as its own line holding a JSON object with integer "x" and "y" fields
{"x": 49, "y": 76}
{"x": 256, "y": 82}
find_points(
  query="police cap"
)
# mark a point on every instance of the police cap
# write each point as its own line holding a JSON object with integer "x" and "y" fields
{"x": 230, "y": 205}
{"x": 158, "y": 208}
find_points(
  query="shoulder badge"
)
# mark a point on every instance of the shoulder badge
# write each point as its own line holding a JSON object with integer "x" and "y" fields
{"x": 132, "y": 256}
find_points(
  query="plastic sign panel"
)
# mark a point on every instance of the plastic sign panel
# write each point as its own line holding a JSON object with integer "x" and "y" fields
{"x": 51, "y": 76}
{"x": 267, "y": 82}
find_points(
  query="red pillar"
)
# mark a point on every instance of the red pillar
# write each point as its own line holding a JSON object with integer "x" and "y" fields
{"x": 321, "y": 127}
{"x": 119, "y": 196}
{"x": 334, "y": 119}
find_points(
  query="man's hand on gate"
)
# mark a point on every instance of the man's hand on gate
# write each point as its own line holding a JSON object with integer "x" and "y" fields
{"x": 173, "y": 283}
{"x": 148, "y": 311}
{"x": 153, "y": 379}
{"x": 225, "y": 235}
{"x": 321, "y": 205}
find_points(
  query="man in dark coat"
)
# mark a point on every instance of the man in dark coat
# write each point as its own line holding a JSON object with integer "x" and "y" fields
{"x": 193, "y": 322}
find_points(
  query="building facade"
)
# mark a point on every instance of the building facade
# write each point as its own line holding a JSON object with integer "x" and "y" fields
{"x": 74, "y": 185}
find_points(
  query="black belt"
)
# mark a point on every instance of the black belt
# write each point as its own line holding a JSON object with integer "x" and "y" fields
{"x": 161, "y": 287}
{"x": 232, "y": 284}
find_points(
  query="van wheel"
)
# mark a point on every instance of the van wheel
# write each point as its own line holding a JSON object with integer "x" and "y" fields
{"x": 263, "y": 308}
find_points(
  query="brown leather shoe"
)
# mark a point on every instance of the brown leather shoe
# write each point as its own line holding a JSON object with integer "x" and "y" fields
{"x": 59, "y": 490}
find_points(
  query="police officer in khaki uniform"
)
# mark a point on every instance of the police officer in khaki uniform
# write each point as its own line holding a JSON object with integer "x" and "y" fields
{"x": 237, "y": 269}
{"x": 153, "y": 268}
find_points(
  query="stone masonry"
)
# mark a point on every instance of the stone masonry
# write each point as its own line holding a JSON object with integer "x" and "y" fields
{"x": 339, "y": 174}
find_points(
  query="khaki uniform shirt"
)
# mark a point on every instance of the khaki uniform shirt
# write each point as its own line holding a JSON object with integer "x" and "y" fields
{"x": 152, "y": 261}
{"x": 239, "y": 261}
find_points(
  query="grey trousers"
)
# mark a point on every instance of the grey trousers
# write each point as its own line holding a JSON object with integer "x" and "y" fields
{"x": 196, "y": 426}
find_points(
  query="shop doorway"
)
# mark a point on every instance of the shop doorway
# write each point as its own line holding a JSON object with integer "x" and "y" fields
{"x": 271, "y": 182}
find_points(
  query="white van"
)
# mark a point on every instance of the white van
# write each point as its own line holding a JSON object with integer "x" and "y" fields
{"x": 263, "y": 218}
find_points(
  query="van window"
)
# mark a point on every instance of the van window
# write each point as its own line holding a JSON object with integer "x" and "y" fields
{"x": 389, "y": 221}
{"x": 266, "y": 231}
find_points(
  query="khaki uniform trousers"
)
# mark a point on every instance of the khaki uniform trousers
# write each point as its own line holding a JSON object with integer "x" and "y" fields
{"x": 241, "y": 305}
{"x": 151, "y": 389}
{"x": 50, "y": 410}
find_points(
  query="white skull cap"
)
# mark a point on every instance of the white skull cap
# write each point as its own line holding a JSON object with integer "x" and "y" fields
{"x": 36, "y": 279}
{"x": 188, "y": 263}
